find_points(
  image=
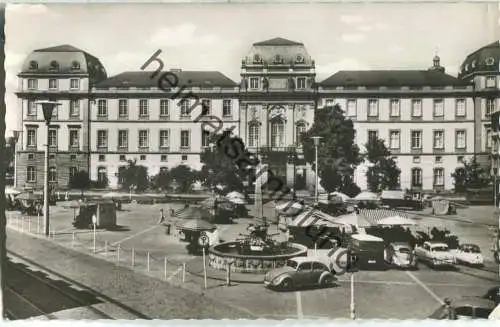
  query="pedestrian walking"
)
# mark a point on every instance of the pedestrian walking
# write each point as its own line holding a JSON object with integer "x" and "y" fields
{"x": 162, "y": 217}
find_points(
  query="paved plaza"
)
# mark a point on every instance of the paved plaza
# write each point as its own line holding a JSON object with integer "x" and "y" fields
{"x": 400, "y": 294}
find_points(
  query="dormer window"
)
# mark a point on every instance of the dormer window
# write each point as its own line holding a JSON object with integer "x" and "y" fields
{"x": 75, "y": 65}
{"x": 278, "y": 59}
{"x": 33, "y": 65}
{"x": 490, "y": 61}
{"x": 474, "y": 63}
{"x": 299, "y": 59}
{"x": 467, "y": 67}
{"x": 257, "y": 58}
{"x": 54, "y": 65}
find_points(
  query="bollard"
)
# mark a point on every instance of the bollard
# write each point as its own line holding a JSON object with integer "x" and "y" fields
{"x": 118, "y": 253}
{"x": 147, "y": 262}
{"x": 133, "y": 257}
{"x": 183, "y": 272}
{"x": 106, "y": 247}
{"x": 228, "y": 275}
{"x": 73, "y": 240}
{"x": 165, "y": 268}
{"x": 38, "y": 224}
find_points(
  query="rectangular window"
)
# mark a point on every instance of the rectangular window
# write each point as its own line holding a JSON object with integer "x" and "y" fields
{"x": 31, "y": 137}
{"x": 74, "y": 84}
{"x": 490, "y": 106}
{"x": 74, "y": 108}
{"x": 416, "y": 159}
{"x": 300, "y": 131}
{"x": 163, "y": 157}
{"x": 164, "y": 138}
{"x": 102, "y": 139}
{"x": 254, "y": 83}
{"x": 102, "y": 108}
{"x": 31, "y": 174}
{"x": 185, "y": 139}
{"x": 143, "y": 108}
{"x": 253, "y": 135}
{"x": 416, "y": 177}
{"x": 416, "y": 139}
{"x": 205, "y": 107}
{"x": 205, "y": 138}
{"x": 394, "y": 140}
{"x": 164, "y": 108}
{"x": 143, "y": 139}
{"x": 123, "y": 157}
{"x": 372, "y": 136}
{"x": 460, "y": 110}
{"x": 438, "y": 108}
{"x": 491, "y": 81}
{"x": 352, "y": 109}
{"x": 31, "y": 108}
{"x": 460, "y": 139}
{"x": 438, "y": 176}
{"x": 32, "y": 84}
{"x": 227, "y": 108}
{"x": 395, "y": 108}
{"x": 329, "y": 102}
{"x": 52, "y": 84}
{"x": 72, "y": 172}
{"x": 438, "y": 139}
{"x": 301, "y": 83}
{"x": 74, "y": 138}
{"x": 52, "y": 174}
{"x": 372, "y": 108}
{"x": 488, "y": 138}
{"x": 53, "y": 137}
{"x": 123, "y": 139}
{"x": 185, "y": 108}
{"x": 123, "y": 108}
{"x": 416, "y": 108}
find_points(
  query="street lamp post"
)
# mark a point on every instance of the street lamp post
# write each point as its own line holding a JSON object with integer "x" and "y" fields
{"x": 316, "y": 143}
{"x": 48, "y": 109}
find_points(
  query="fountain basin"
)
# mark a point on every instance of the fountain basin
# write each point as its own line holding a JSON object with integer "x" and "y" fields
{"x": 220, "y": 255}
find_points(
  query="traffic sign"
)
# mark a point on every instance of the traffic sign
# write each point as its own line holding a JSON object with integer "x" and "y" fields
{"x": 94, "y": 220}
{"x": 203, "y": 240}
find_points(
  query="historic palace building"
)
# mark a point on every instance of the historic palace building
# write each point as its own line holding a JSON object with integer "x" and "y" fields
{"x": 430, "y": 121}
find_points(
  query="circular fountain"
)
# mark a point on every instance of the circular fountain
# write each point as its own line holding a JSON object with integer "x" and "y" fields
{"x": 256, "y": 252}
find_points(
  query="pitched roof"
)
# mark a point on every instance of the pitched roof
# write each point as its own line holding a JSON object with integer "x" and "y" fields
{"x": 60, "y": 48}
{"x": 277, "y": 41}
{"x": 391, "y": 78}
{"x": 186, "y": 78}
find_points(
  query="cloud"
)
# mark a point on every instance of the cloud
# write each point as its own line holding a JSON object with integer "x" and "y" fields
{"x": 365, "y": 28}
{"x": 395, "y": 49}
{"x": 353, "y": 37}
{"x": 351, "y": 19}
{"x": 13, "y": 60}
{"x": 180, "y": 36}
{"x": 381, "y": 26}
{"x": 344, "y": 64}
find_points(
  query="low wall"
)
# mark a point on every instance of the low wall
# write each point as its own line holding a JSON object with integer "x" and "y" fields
{"x": 256, "y": 264}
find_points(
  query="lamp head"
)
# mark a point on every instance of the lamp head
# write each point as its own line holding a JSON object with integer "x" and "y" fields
{"x": 316, "y": 139}
{"x": 16, "y": 134}
{"x": 48, "y": 109}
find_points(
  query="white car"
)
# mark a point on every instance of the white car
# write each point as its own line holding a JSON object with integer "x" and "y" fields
{"x": 435, "y": 254}
{"x": 469, "y": 254}
{"x": 400, "y": 255}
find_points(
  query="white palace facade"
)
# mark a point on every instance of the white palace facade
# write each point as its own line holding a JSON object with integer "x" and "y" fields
{"x": 430, "y": 121}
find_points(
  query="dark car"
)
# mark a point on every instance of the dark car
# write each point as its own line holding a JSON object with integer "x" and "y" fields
{"x": 300, "y": 272}
{"x": 472, "y": 307}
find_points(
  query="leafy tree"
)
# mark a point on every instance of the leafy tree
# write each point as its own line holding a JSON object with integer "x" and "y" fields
{"x": 136, "y": 175}
{"x": 102, "y": 183}
{"x": 184, "y": 176}
{"x": 471, "y": 175}
{"x": 338, "y": 155}
{"x": 162, "y": 180}
{"x": 9, "y": 153}
{"x": 80, "y": 181}
{"x": 384, "y": 172}
{"x": 222, "y": 163}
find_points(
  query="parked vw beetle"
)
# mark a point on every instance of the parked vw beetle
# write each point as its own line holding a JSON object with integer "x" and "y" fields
{"x": 300, "y": 272}
{"x": 400, "y": 255}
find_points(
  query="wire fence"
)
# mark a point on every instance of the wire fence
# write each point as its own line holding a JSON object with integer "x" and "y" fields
{"x": 154, "y": 263}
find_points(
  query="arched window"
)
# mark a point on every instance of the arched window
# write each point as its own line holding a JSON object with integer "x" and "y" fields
{"x": 416, "y": 177}
{"x": 33, "y": 65}
{"x": 75, "y": 65}
{"x": 277, "y": 133}
{"x": 300, "y": 130}
{"x": 253, "y": 134}
{"x": 54, "y": 65}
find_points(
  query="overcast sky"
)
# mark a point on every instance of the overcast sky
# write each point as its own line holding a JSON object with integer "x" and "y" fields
{"x": 217, "y": 36}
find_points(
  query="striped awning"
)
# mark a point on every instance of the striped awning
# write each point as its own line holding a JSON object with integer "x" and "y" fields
{"x": 313, "y": 217}
{"x": 376, "y": 215}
